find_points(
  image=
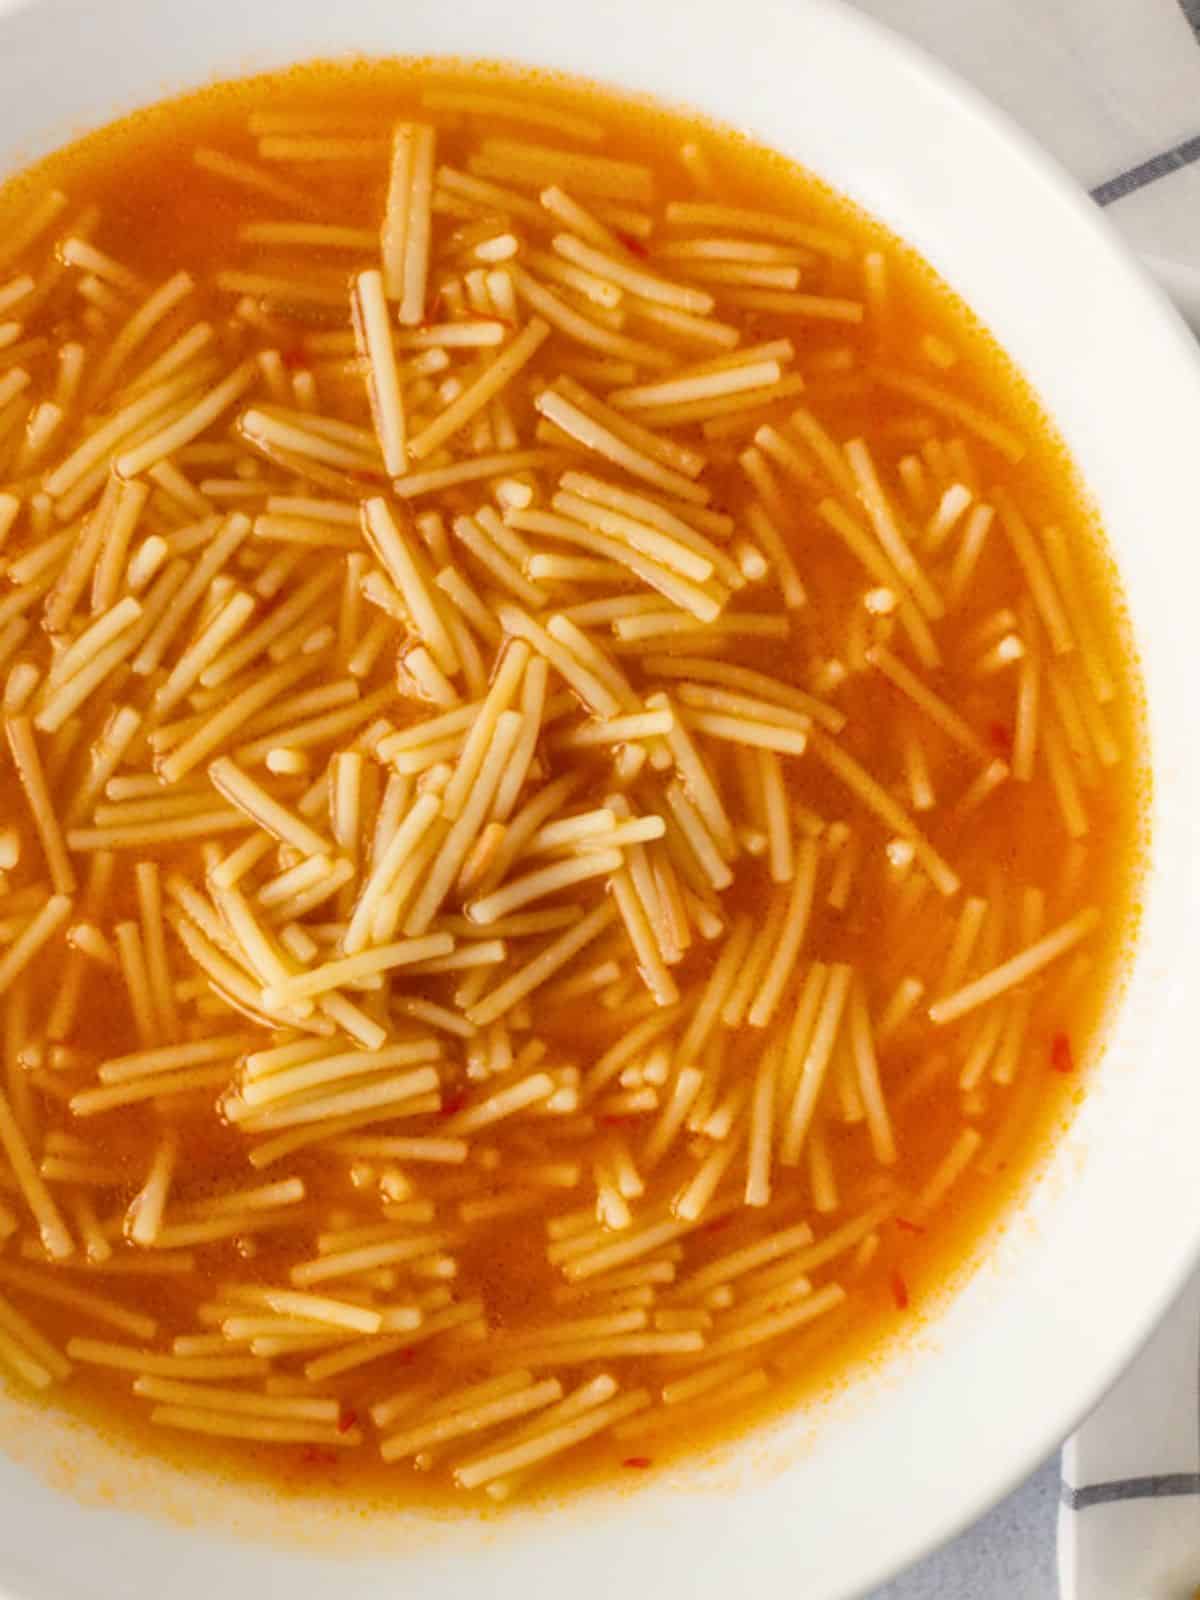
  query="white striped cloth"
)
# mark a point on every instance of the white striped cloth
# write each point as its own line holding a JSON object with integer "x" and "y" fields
{"x": 1112, "y": 89}
{"x": 1129, "y": 1522}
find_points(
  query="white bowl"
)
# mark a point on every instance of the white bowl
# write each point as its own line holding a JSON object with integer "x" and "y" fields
{"x": 832, "y": 1500}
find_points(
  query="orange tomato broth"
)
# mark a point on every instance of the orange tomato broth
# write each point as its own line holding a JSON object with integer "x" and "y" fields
{"x": 159, "y": 213}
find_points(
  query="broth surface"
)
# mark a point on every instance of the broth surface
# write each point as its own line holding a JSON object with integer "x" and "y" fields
{"x": 963, "y": 622}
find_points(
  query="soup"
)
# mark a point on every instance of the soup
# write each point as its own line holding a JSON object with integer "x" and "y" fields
{"x": 572, "y": 794}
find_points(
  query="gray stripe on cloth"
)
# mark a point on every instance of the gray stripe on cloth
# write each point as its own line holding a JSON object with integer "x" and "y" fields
{"x": 1160, "y": 1486}
{"x": 1147, "y": 172}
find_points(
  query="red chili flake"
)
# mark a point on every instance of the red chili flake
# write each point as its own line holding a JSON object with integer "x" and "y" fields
{"x": 639, "y": 1463}
{"x": 368, "y": 475}
{"x": 718, "y": 1226}
{"x": 454, "y": 1102}
{"x": 1001, "y": 737}
{"x": 314, "y": 1456}
{"x": 899, "y": 1291}
{"x": 407, "y": 1357}
{"x": 346, "y": 1422}
{"x": 909, "y": 1226}
{"x": 634, "y": 246}
{"x": 293, "y": 357}
{"x": 1061, "y": 1057}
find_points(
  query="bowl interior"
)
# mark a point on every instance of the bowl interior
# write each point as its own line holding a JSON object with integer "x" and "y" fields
{"x": 835, "y": 1498}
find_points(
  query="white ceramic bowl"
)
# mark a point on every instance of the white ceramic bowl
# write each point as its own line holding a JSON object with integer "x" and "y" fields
{"x": 831, "y": 1501}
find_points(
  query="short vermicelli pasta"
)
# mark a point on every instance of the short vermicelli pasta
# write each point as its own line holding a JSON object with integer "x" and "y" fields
{"x": 571, "y": 780}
